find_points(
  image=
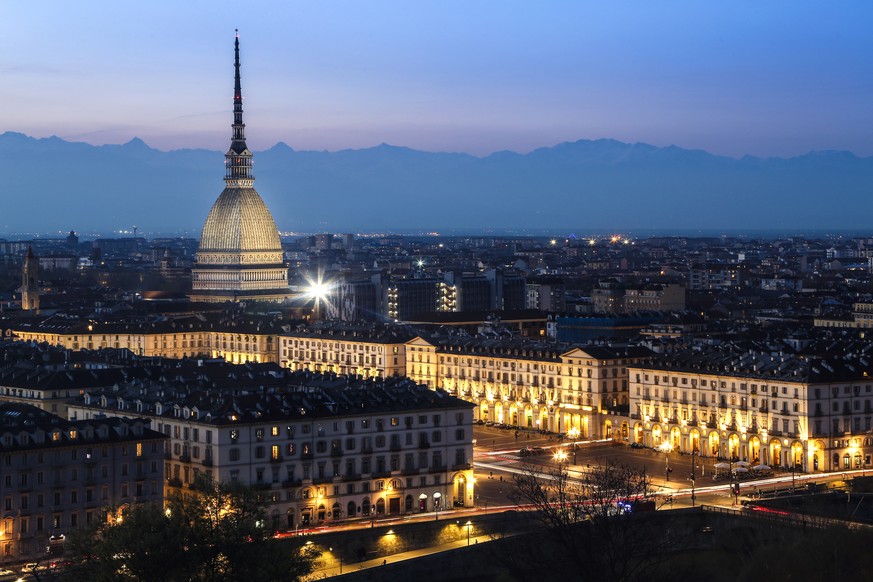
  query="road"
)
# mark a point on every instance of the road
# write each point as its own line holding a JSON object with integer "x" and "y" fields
{"x": 497, "y": 459}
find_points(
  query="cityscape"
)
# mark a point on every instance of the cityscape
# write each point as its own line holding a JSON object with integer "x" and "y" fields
{"x": 601, "y": 359}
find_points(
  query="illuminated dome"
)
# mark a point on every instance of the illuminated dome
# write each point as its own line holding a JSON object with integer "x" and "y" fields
{"x": 240, "y": 222}
{"x": 240, "y": 253}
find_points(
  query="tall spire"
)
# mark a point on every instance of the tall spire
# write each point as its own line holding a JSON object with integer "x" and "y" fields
{"x": 238, "y": 159}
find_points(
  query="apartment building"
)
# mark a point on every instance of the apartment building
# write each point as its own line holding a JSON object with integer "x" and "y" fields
{"x": 236, "y": 339}
{"x": 57, "y": 475}
{"x": 811, "y": 413}
{"x": 530, "y": 384}
{"x": 369, "y": 350}
{"x": 321, "y": 448}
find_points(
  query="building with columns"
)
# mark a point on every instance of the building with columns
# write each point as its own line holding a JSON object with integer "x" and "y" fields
{"x": 779, "y": 409}
{"x": 240, "y": 253}
{"x": 581, "y": 391}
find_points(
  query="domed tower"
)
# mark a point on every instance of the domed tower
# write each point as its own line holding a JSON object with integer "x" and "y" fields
{"x": 240, "y": 254}
{"x": 30, "y": 282}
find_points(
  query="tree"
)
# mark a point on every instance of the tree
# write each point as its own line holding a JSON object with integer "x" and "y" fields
{"x": 216, "y": 534}
{"x": 590, "y": 523}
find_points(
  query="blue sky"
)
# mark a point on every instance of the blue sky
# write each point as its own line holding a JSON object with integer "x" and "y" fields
{"x": 775, "y": 78}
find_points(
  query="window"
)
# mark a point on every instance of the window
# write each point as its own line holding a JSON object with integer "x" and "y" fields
{"x": 234, "y": 454}
{"x": 234, "y": 435}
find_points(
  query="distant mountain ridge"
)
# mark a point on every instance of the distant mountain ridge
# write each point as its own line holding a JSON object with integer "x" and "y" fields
{"x": 587, "y": 185}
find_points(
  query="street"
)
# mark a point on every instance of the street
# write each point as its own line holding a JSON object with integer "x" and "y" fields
{"x": 497, "y": 459}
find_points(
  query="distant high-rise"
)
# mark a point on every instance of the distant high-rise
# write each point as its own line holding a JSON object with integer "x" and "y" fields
{"x": 30, "y": 282}
{"x": 240, "y": 253}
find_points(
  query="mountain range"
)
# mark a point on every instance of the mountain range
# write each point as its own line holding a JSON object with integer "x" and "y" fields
{"x": 584, "y": 186}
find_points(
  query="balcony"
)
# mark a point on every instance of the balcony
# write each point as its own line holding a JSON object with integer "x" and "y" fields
{"x": 395, "y": 447}
{"x": 322, "y": 480}
{"x": 424, "y": 445}
{"x": 276, "y": 459}
{"x": 351, "y": 477}
{"x": 308, "y": 455}
{"x": 185, "y": 458}
{"x": 288, "y": 483}
{"x": 438, "y": 468}
{"x": 337, "y": 452}
{"x": 174, "y": 482}
{"x": 462, "y": 466}
{"x": 207, "y": 462}
{"x": 409, "y": 471}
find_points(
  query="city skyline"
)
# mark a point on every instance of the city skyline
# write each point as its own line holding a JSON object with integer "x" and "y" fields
{"x": 733, "y": 79}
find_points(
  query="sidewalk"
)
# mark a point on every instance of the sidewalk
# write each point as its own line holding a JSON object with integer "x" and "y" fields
{"x": 331, "y": 571}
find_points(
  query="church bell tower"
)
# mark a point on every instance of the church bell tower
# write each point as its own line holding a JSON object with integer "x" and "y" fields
{"x": 30, "y": 282}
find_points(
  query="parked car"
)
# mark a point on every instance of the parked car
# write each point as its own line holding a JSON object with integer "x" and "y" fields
{"x": 636, "y": 445}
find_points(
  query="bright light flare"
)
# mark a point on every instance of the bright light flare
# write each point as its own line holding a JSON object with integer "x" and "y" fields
{"x": 319, "y": 290}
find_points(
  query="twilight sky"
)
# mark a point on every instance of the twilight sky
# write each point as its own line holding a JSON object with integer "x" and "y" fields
{"x": 774, "y": 78}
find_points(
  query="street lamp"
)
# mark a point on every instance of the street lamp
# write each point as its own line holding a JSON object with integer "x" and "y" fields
{"x": 573, "y": 433}
{"x": 665, "y": 448}
{"x": 693, "y": 450}
{"x": 468, "y": 525}
{"x": 560, "y": 456}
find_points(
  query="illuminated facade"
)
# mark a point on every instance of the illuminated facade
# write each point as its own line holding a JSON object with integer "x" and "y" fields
{"x": 240, "y": 253}
{"x": 235, "y": 341}
{"x": 371, "y": 351}
{"x": 319, "y": 454}
{"x": 777, "y": 410}
{"x": 581, "y": 392}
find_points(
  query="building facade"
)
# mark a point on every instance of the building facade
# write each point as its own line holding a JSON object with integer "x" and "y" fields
{"x": 237, "y": 340}
{"x": 580, "y": 391}
{"x": 371, "y": 350}
{"x": 320, "y": 449}
{"x": 58, "y": 475}
{"x": 780, "y": 410}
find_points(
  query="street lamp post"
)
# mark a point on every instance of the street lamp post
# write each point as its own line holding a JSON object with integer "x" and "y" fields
{"x": 693, "y": 450}
{"x": 666, "y": 447}
{"x": 468, "y": 525}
